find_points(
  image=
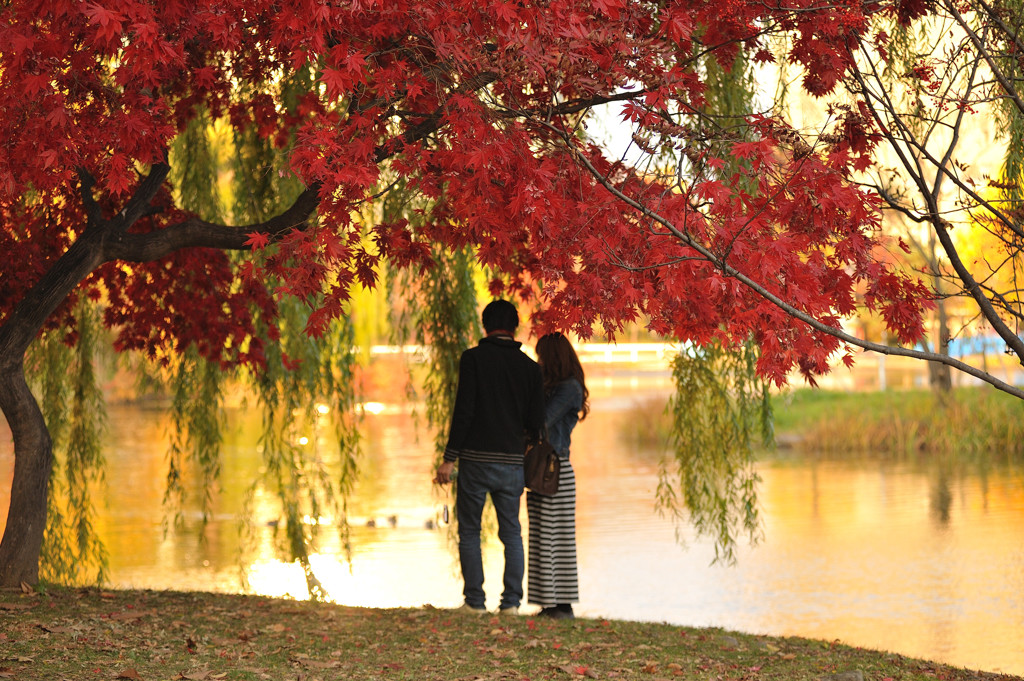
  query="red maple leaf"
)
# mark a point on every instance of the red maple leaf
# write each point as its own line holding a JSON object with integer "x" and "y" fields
{"x": 257, "y": 240}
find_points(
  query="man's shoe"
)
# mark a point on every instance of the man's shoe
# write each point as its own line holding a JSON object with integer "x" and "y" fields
{"x": 466, "y": 607}
{"x": 510, "y": 611}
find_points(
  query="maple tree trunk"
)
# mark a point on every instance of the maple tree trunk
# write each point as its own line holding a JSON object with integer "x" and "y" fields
{"x": 22, "y": 541}
{"x": 33, "y": 458}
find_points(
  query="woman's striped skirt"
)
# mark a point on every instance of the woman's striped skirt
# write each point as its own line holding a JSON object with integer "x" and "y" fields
{"x": 551, "y": 575}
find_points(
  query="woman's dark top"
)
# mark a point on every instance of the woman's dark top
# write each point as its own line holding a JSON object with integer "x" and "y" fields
{"x": 561, "y": 413}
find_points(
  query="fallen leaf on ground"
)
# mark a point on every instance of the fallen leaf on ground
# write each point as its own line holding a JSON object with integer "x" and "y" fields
{"x": 56, "y": 630}
{"x": 131, "y": 614}
{"x": 316, "y": 664}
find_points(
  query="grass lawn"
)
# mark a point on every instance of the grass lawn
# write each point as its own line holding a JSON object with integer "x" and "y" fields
{"x": 78, "y": 634}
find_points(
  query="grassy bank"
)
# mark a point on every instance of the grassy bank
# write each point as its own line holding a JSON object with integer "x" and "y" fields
{"x": 142, "y": 635}
{"x": 970, "y": 421}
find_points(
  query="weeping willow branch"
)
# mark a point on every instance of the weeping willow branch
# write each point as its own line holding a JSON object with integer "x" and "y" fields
{"x": 197, "y": 410}
{"x": 75, "y": 413}
{"x": 719, "y": 411}
{"x": 437, "y": 307}
{"x": 307, "y": 387}
{"x": 446, "y": 325}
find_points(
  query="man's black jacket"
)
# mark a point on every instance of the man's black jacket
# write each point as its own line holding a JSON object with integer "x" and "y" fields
{"x": 499, "y": 403}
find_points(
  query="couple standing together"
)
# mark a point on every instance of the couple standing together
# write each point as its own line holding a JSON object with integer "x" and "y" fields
{"x": 505, "y": 399}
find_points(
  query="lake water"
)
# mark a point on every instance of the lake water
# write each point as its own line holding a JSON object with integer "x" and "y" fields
{"x": 916, "y": 559}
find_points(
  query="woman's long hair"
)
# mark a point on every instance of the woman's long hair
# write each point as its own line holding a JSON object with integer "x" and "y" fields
{"x": 559, "y": 362}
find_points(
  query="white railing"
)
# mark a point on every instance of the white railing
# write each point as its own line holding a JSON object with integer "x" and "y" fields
{"x": 626, "y": 352}
{"x": 606, "y": 353}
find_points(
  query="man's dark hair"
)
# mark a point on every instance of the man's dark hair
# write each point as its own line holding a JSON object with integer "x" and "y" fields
{"x": 500, "y": 315}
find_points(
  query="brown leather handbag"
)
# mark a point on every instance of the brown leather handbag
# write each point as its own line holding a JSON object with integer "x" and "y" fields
{"x": 541, "y": 467}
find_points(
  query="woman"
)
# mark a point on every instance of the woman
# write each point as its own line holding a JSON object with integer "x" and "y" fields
{"x": 552, "y": 581}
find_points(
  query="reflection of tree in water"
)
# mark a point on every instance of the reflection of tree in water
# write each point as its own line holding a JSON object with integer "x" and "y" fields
{"x": 648, "y": 427}
{"x": 941, "y": 496}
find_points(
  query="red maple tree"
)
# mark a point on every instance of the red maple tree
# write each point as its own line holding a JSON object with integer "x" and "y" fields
{"x": 479, "y": 106}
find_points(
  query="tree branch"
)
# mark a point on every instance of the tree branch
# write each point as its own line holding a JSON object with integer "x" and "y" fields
{"x": 93, "y": 213}
{"x": 786, "y": 307}
{"x": 431, "y": 123}
{"x": 196, "y": 233}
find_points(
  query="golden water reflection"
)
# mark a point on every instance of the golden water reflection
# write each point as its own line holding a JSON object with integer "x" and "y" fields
{"x": 910, "y": 558}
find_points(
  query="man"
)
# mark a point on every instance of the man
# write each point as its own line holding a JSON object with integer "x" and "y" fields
{"x": 499, "y": 405}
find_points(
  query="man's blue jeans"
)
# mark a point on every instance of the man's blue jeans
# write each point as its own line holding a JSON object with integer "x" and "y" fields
{"x": 504, "y": 482}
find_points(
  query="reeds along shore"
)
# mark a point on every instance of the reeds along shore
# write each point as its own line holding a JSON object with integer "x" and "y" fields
{"x": 968, "y": 422}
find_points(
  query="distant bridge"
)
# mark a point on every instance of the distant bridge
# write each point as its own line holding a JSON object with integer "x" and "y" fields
{"x": 589, "y": 353}
{"x": 626, "y": 353}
